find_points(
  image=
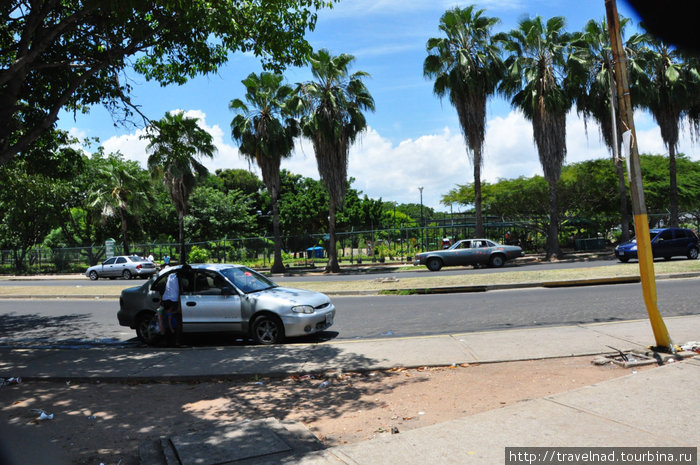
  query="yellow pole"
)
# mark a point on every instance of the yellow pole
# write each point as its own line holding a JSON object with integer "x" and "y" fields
{"x": 641, "y": 222}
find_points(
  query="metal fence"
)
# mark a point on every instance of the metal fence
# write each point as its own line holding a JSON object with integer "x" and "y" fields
{"x": 398, "y": 244}
{"x": 394, "y": 244}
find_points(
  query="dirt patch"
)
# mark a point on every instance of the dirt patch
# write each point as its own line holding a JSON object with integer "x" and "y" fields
{"x": 104, "y": 423}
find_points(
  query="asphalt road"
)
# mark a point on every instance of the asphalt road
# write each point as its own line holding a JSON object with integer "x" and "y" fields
{"x": 66, "y": 323}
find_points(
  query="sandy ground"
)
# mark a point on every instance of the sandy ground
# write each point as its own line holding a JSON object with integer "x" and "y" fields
{"x": 103, "y": 423}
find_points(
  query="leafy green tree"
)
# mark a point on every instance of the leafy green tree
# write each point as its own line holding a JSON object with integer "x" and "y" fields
{"x": 176, "y": 145}
{"x": 589, "y": 195}
{"x": 121, "y": 189}
{"x": 265, "y": 129}
{"x": 303, "y": 210}
{"x": 235, "y": 179}
{"x": 538, "y": 53}
{"x": 334, "y": 103}
{"x": 35, "y": 196}
{"x": 667, "y": 90}
{"x": 216, "y": 215}
{"x": 71, "y": 54}
{"x": 466, "y": 65}
{"x": 656, "y": 183}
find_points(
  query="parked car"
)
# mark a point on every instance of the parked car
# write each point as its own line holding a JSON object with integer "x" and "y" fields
{"x": 122, "y": 266}
{"x": 475, "y": 252}
{"x": 666, "y": 243}
{"x": 228, "y": 298}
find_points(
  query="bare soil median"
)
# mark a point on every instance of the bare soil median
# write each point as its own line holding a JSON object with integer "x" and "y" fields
{"x": 103, "y": 423}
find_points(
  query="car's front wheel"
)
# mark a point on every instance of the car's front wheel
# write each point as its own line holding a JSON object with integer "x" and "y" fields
{"x": 267, "y": 330}
{"x": 434, "y": 264}
{"x": 693, "y": 253}
{"x": 93, "y": 275}
{"x": 126, "y": 274}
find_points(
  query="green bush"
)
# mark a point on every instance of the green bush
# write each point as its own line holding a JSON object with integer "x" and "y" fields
{"x": 198, "y": 255}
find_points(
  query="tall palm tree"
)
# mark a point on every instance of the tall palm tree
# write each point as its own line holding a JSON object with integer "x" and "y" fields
{"x": 176, "y": 144}
{"x": 666, "y": 88}
{"x": 595, "y": 100}
{"x": 333, "y": 119}
{"x": 536, "y": 70}
{"x": 122, "y": 190}
{"x": 466, "y": 65}
{"x": 265, "y": 129}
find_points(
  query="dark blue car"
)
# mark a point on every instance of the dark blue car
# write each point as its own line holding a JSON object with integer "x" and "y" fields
{"x": 666, "y": 243}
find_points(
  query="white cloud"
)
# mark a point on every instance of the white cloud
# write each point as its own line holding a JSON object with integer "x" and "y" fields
{"x": 438, "y": 162}
{"x": 134, "y": 148}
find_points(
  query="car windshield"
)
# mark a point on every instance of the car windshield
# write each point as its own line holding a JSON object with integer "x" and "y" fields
{"x": 247, "y": 280}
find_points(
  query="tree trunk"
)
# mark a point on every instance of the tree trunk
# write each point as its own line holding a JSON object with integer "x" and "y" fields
{"x": 622, "y": 188}
{"x": 181, "y": 236}
{"x": 552, "y": 248}
{"x": 673, "y": 186}
{"x": 124, "y": 225}
{"x": 479, "y": 232}
{"x": 332, "y": 266}
{"x": 278, "y": 264}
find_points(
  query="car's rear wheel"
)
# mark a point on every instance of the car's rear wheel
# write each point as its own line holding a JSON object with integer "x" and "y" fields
{"x": 267, "y": 330}
{"x": 93, "y": 275}
{"x": 434, "y": 264}
{"x": 147, "y": 329}
{"x": 497, "y": 261}
{"x": 126, "y": 274}
{"x": 693, "y": 253}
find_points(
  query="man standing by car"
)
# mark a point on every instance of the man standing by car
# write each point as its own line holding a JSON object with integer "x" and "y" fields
{"x": 172, "y": 308}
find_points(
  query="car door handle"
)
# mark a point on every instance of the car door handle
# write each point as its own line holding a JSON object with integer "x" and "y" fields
{"x": 191, "y": 304}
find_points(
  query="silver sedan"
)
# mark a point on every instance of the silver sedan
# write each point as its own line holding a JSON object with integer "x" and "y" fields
{"x": 123, "y": 266}
{"x": 475, "y": 252}
{"x": 228, "y": 298}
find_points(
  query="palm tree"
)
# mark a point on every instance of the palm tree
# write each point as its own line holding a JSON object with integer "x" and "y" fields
{"x": 466, "y": 65}
{"x": 265, "y": 138}
{"x": 536, "y": 70}
{"x": 122, "y": 190}
{"x": 668, "y": 90}
{"x": 594, "y": 97}
{"x": 176, "y": 144}
{"x": 333, "y": 119}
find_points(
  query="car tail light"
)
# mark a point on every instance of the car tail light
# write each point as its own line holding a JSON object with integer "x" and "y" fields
{"x": 139, "y": 266}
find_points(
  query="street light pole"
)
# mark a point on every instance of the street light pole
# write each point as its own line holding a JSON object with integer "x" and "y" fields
{"x": 641, "y": 222}
{"x": 422, "y": 221}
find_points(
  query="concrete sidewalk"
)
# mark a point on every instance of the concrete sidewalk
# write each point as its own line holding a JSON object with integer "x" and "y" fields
{"x": 645, "y": 409}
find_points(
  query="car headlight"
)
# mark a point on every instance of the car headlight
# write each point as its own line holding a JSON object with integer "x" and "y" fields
{"x": 634, "y": 248}
{"x": 303, "y": 309}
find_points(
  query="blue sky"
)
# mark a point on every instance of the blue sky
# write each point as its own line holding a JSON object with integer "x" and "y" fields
{"x": 413, "y": 138}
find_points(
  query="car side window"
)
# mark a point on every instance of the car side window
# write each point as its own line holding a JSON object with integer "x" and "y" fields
{"x": 680, "y": 234}
{"x": 208, "y": 283}
{"x": 110, "y": 261}
{"x": 159, "y": 284}
{"x": 666, "y": 235}
{"x": 187, "y": 282}
{"x": 121, "y": 260}
{"x": 465, "y": 245}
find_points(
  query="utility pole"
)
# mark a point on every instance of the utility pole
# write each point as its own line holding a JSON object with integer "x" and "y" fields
{"x": 639, "y": 209}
